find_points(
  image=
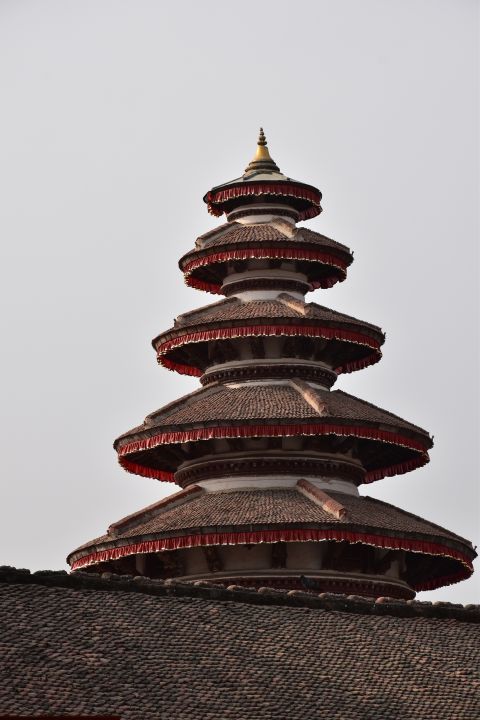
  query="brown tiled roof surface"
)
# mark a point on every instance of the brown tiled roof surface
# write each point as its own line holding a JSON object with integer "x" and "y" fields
{"x": 286, "y": 307}
{"x": 312, "y": 236}
{"x": 148, "y": 650}
{"x": 247, "y": 233}
{"x": 264, "y": 232}
{"x": 243, "y": 507}
{"x": 277, "y": 506}
{"x": 215, "y": 231}
{"x": 96, "y": 541}
{"x": 245, "y": 402}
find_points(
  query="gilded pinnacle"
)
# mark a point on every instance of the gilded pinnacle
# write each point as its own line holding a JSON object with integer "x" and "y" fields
{"x": 262, "y": 140}
{"x": 262, "y": 160}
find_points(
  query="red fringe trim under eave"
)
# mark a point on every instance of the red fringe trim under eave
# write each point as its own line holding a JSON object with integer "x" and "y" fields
{"x": 282, "y": 189}
{"x": 273, "y": 536}
{"x": 145, "y": 471}
{"x": 397, "y": 469}
{"x": 371, "y": 476}
{"x": 228, "y": 333}
{"x": 266, "y": 253}
{"x": 195, "y": 372}
{"x": 194, "y": 282}
{"x": 248, "y": 431}
{"x": 446, "y": 580}
{"x": 360, "y": 364}
{"x": 178, "y": 367}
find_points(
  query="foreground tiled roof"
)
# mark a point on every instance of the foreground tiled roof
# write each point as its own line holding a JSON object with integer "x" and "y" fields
{"x": 150, "y": 650}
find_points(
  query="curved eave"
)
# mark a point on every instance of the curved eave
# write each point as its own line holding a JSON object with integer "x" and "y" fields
{"x": 307, "y": 195}
{"x": 197, "y": 537}
{"x": 193, "y": 263}
{"x": 130, "y": 448}
{"x": 172, "y": 340}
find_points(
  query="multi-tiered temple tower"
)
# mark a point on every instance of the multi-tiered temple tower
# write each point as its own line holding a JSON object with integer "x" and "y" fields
{"x": 268, "y": 457}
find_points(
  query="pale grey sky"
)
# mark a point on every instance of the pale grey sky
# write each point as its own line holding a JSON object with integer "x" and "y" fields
{"x": 117, "y": 116}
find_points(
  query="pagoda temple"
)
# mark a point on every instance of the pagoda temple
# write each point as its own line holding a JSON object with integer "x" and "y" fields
{"x": 268, "y": 457}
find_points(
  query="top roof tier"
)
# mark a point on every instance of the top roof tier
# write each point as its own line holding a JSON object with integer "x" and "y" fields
{"x": 260, "y": 247}
{"x": 262, "y": 184}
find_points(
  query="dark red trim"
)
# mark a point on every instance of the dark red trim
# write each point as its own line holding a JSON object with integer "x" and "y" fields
{"x": 193, "y": 282}
{"x": 273, "y": 536}
{"x": 445, "y": 580}
{"x": 265, "y": 253}
{"x": 145, "y": 471}
{"x": 397, "y": 469}
{"x": 282, "y": 189}
{"x": 371, "y": 476}
{"x": 307, "y": 429}
{"x": 178, "y": 367}
{"x": 349, "y": 367}
{"x": 227, "y": 333}
{"x": 223, "y": 333}
{"x": 169, "y": 437}
{"x": 359, "y": 364}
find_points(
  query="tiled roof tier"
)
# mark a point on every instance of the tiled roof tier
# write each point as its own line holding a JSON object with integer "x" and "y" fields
{"x": 322, "y": 260}
{"x": 385, "y": 444}
{"x": 195, "y": 518}
{"x": 135, "y": 648}
{"x": 262, "y": 182}
{"x": 354, "y": 344}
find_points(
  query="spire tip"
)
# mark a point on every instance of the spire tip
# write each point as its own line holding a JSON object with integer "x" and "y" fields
{"x": 262, "y": 162}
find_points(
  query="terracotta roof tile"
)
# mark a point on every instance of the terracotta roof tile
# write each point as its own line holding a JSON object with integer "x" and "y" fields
{"x": 264, "y": 232}
{"x": 237, "y": 403}
{"x": 245, "y": 507}
{"x": 283, "y": 506}
{"x": 88, "y": 646}
{"x": 253, "y": 402}
{"x": 285, "y": 307}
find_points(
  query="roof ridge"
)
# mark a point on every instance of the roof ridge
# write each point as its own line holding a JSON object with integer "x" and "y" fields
{"x": 321, "y": 498}
{"x": 235, "y": 593}
{"x": 310, "y": 396}
{"x": 292, "y": 302}
{"x": 283, "y": 226}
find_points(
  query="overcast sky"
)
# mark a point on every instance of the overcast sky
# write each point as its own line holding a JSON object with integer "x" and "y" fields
{"x": 116, "y": 117}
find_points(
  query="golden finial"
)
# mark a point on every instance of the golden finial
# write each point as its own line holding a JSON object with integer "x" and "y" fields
{"x": 262, "y": 140}
{"x": 262, "y": 162}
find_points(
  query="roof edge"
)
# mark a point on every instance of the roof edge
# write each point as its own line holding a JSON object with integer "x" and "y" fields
{"x": 109, "y": 582}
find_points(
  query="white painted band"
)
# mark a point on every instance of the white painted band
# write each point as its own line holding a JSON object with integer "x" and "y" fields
{"x": 276, "y": 481}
